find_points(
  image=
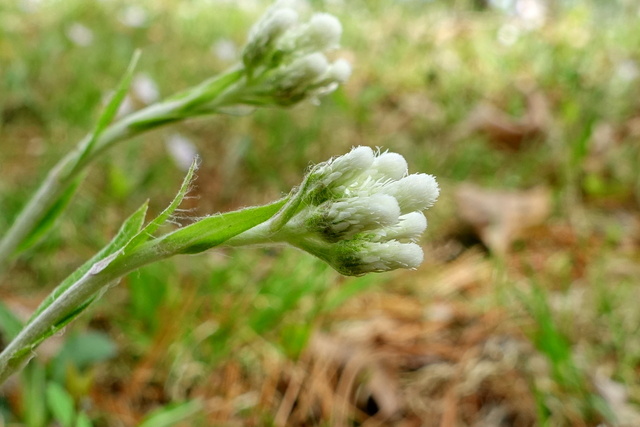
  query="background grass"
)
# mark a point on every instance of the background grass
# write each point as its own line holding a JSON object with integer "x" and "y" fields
{"x": 545, "y": 333}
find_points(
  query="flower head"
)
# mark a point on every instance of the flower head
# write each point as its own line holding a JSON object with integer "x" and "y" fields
{"x": 285, "y": 59}
{"x": 360, "y": 212}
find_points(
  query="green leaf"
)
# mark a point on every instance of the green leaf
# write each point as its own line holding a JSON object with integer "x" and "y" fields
{"x": 60, "y": 404}
{"x": 34, "y": 411}
{"x": 152, "y": 226}
{"x": 10, "y": 325}
{"x": 110, "y": 110}
{"x": 128, "y": 230}
{"x": 50, "y": 217}
{"x": 215, "y": 230}
{"x": 171, "y": 415}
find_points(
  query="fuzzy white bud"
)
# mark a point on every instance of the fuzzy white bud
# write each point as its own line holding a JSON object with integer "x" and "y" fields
{"x": 359, "y": 212}
{"x": 409, "y": 228}
{"x": 379, "y": 257}
{"x": 320, "y": 34}
{"x": 389, "y": 165}
{"x": 264, "y": 34}
{"x": 414, "y": 192}
{"x": 345, "y": 218}
{"x": 292, "y": 82}
{"x": 324, "y": 32}
{"x": 344, "y": 169}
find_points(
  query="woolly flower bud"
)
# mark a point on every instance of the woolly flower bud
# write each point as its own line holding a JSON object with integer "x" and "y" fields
{"x": 408, "y": 228}
{"x": 339, "y": 71}
{"x": 362, "y": 212}
{"x": 292, "y": 83}
{"x": 265, "y": 32}
{"x": 359, "y": 212}
{"x": 284, "y": 60}
{"x": 343, "y": 219}
{"x": 344, "y": 169}
{"x": 390, "y": 165}
{"x": 321, "y": 33}
{"x": 414, "y": 192}
{"x": 303, "y": 71}
{"x": 354, "y": 259}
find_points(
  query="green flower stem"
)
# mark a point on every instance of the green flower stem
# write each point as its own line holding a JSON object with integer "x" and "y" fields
{"x": 206, "y": 98}
{"x": 205, "y": 234}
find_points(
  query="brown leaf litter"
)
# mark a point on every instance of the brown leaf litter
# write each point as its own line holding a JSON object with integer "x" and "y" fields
{"x": 499, "y": 216}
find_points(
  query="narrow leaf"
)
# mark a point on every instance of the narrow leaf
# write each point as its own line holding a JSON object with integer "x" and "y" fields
{"x": 128, "y": 230}
{"x": 33, "y": 382}
{"x": 215, "y": 230}
{"x": 50, "y": 217}
{"x": 111, "y": 109}
{"x": 152, "y": 226}
{"x": 61, "y": 323}
{"x": 60, "y": 404}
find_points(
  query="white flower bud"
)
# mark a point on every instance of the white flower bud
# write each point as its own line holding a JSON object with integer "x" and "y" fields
{"x": 379, "y": 257}
{"x": 359, "y": 212}
{"x": 409, "y": 228}
{"x": 264, "y": 34}
{"x": 324, "y": 32}
{"x": 292, "y": 83}
{"x": 389, "y": 165}
{"x": 321, "y": 33}
{"x": 414, "y": 192}
{"x": 344, "y": 169}
{"x": 392, "y": 255}
{"x": 339, "y": 71}
{"x": 345, "y": 218}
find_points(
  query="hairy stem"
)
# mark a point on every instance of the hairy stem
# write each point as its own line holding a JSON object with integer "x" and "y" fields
{"x": 211, "y": 96}
{"x": 76, "y": 297}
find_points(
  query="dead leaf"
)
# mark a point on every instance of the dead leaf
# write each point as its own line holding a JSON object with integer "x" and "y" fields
{"x": 499, "y": 217}
{"x": 505, "y": 131}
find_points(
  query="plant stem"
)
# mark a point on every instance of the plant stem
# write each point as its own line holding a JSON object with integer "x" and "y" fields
{"x": 213, "y": 94}
{"x": 205, "y": 234}
{"x": 20, "y": 349}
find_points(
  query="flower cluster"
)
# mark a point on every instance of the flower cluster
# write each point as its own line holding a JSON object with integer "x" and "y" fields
{"x": 285, "y": 60}
{"x": 360, "y": 212}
